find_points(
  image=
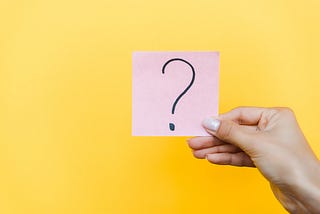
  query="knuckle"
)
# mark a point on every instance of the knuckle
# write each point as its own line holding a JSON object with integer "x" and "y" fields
{"x": 284, "y": 111}
{"x": 287, "y": 112}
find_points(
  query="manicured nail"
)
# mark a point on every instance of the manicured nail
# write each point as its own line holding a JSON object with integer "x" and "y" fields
{"x": 211, "y": 124}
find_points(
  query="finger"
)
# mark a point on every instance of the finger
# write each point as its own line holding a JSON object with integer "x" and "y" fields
{"x": 226, "y": 148}
{"x": 250, "y": 129}
{"x": 230, "y": 132}
{"x": 233, "y": 159}
{"x": 210, "y": 141}
{"x": 244, "y": 115}
{"x": 204, "y": 142}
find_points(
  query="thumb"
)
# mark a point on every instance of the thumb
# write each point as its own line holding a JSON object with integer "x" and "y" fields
{"x": 228, "y": 131}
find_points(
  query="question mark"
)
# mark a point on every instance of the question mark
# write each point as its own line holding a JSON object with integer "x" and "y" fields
{"x": 171, "y": 125}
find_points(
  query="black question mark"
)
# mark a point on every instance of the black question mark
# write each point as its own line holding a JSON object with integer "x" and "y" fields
{"x": 171, "y": 125}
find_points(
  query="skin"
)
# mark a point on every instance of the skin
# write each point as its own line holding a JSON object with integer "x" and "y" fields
{"x": 271, "y": 140}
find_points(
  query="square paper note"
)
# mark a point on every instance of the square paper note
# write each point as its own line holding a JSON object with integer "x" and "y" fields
{"x": 172, "y": 92}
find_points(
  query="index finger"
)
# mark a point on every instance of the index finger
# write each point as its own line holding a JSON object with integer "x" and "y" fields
{"x": 244, "y": 115}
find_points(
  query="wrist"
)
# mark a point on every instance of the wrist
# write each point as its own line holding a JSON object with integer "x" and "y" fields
{"x": 306, "y": 187}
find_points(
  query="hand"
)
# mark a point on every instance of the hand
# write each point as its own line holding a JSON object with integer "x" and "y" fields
{"x": 271, "y": 140}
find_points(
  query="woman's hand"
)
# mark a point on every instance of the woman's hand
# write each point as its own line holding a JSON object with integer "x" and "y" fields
{"x": 271, "y": 140}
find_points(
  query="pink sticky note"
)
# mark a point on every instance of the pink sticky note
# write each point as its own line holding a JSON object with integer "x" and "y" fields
{"x": 172, "y": 92}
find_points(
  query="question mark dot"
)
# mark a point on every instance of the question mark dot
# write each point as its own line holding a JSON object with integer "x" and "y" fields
{"x": 171, "y": 126}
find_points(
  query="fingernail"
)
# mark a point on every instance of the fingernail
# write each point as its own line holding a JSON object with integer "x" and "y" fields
{"x": 211, "y": 124}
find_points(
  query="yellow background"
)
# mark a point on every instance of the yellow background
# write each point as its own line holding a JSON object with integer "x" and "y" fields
{"x": 65, "y": 101}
